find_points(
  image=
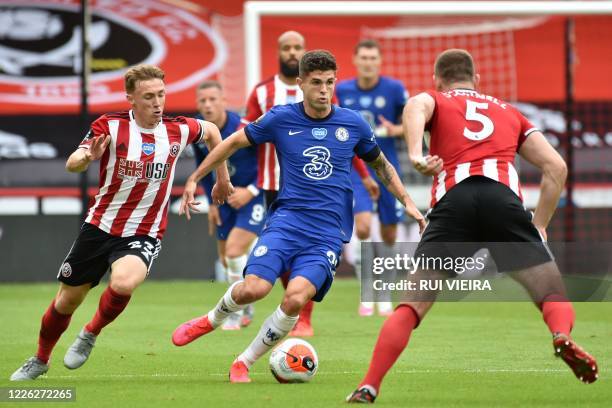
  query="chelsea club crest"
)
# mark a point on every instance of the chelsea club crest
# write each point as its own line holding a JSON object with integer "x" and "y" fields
{"x": 342, "y": 134}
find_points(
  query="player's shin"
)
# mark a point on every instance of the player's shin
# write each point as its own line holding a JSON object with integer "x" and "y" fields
{"x": 558, "y": 313}
{"x": 274, "y": 328}
{"x": 224, "y": 307}
{"x": 52, "y": 326}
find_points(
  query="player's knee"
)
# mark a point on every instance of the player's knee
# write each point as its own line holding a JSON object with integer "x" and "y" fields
{"x": 250, "y": 292}
{"x": 389, "y": 235}
{"x": 234, "y": 251}
{"x": 362, "y": 230}
{"x": 294, "y": 302}
{"x": 123, "y": 286}
{"x": 66, "y": 303}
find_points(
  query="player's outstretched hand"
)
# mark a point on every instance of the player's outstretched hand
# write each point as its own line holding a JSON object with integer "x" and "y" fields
{"x": 240, "y": 198}
{"x": 97, "y": 147}
{"x": 371, "y": 187}
{"x": 414, "y": 212}
{"x": 188, "y": 202}
{"x": 428, "y": 165}
{"x": 221, "y": 191}
{"x": 214, "y": 219}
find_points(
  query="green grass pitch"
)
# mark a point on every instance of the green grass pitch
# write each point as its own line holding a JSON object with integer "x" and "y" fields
{"x": 463, "y": 355}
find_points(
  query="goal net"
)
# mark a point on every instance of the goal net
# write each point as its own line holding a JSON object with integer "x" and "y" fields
{"x": 525, "y": 54}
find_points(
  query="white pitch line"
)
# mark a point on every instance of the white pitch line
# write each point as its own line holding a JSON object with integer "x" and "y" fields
{"x": 224, "y": 374}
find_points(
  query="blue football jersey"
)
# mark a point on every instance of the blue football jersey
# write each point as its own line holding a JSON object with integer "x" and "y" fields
{"x": 387, "y": 98}
{"x": 242, "y": 166}
{"x": 316, "y": 195}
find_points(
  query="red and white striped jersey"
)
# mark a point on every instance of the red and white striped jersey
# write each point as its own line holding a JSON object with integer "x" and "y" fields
{"x": 267, "y": 94}
{"x": 475, "y": 134}
{"x": 137, "y": 171}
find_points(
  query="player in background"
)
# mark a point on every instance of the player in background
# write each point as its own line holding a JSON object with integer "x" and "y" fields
{"x": 239, "y": 221}
{"x": 476, "y": 197}
{"x": 282, "y": 89}
{"x": 138, "y": 151}
{"x": 380, "y": 101}
{"x": 313, "y": 213}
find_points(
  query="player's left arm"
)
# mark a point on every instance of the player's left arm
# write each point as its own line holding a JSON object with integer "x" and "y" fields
{"x": 537, "y": 151}
{"x": 222, "y": 188}
{"x": 388, "y": 176}
{"x": 217, "y": 155}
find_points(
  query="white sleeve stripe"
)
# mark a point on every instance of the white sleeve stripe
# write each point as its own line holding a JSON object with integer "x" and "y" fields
{"x": 530, "y": 131}
{"x": 202, "y": 131}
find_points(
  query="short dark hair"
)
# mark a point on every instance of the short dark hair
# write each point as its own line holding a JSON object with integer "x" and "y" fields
{"x": 454, "y": 65}
{"x": 210, "y": 84}
{"x": 317, "y": 60}
{"x": 141, "y": 73}
{"x": 368, "y": 43}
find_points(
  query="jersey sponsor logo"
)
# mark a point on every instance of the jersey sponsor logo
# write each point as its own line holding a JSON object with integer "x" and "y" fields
{"x": 365, "y": 101}
{"x": 342, "y": 134}
{"x": 380, "y": 102}
{"x": 319, "y": 133}
{"x": 40, "y": 49}
{"x": 319, "y": 167}
{"x": 143, "y": 172}
{"x": 148, "y": 148}
{"x": 175, "y": 148}
{"x": 291, "y": 132}
{"x": 66, "y": 270}
{"x": 260, "y": 251}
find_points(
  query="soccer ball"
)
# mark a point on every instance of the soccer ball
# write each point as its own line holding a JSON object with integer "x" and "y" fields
{"x": 294, "y": 361}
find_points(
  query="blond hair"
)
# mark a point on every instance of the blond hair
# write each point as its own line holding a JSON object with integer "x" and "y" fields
{"x": 141, "y": 73}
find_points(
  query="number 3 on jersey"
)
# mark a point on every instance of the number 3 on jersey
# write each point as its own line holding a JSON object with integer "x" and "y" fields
{"x": 472, "y": 114}
{"x": 319, "y": 167}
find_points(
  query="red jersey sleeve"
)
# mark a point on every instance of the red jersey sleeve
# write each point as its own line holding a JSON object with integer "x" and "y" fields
{"x": 98, "y": 127}
{"x": 196, "y": 128}
{"x": 527, "y": 128}
{"x": 360, "y": 167}
{"x": 253, "y": 110}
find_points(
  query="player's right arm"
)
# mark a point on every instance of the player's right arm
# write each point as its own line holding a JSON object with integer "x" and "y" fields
{"x": 537, "y": 151}
{"x": 388, "y": 176}
{"x": 91, "y": 148}
{"x": 214, "y": 159}
{"x": 417, "y": 112}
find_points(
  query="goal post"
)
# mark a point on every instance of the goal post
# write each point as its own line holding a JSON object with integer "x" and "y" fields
{"x": 254, "y": 10}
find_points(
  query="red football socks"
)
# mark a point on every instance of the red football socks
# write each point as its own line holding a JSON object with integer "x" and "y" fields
{"x": 111, "y": 305}
{"x": 52, "y": 326}
{"x": 306, "y": 312}
{"x": 558, "y": 314}
{"x": 392, "y": 340}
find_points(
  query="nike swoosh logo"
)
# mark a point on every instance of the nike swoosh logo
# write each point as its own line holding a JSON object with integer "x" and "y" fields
{"x": 291, "y": 132}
